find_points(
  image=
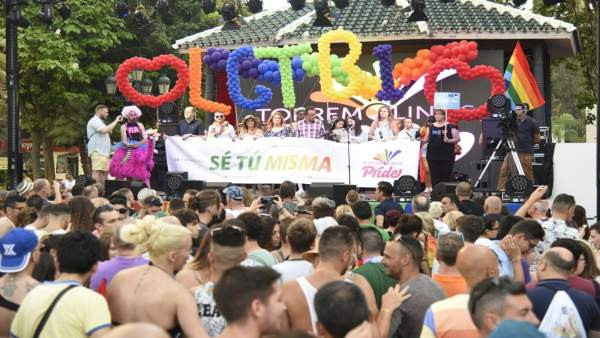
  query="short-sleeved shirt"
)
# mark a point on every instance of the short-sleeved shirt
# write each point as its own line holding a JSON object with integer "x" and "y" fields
{"x": 541, "y": 296}
{"x": 97, "y": 141}
{"x": 387, "y": 205}
{"x": 195, "y": 128}
{"x": 293, "y": 268}
{"x": 554, "y": 229}
{"x": 504, "y": 262}
{"x": 524, "y": 135}
{"x": 79, "y": 313}
{"x": 109, "y": 269}
{"x": 452, "y": 284}
{"x": 380, "y": 282}
{"x": 259, "y": 257}
{"x": 313, "y": 129}
{"x": 212, "y": 319}
{"x": 449, "y": 318}
{"x": 384, "y": 234}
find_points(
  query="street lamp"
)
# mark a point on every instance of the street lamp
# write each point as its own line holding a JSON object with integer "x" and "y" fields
{"x": 111, "y": 85}
{"x": 146, "y": 86}
{"x": 136, "y": 75}
{"x": 163, "y": 83}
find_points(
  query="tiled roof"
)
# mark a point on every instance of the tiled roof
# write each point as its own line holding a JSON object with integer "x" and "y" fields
{"x": 371, "y": 21}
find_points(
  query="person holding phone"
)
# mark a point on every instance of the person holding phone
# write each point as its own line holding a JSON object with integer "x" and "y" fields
{"x": 98, "y": 145}
{"x": 441, "y": 138}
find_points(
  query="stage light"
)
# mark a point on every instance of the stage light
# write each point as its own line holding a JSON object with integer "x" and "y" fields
{"x": 122, "y": 9}
{"x": 498, "y": 105}
{"x": 406, "y": 184}
{"x": 167, "y": 113}
{"x": 14, "y": 16}
{"x": 297, "y": 4}
{"x": 174, "y": 182}
{"x": 162, "y": 7}
{"x": 388, "y": 3}
{"x": 255, "y": 6}
{"x": 418, "y": 14}
{"x": 323, "y": 12}
{"x": 228, "y": 12}
{"x": 341, "y": 4}
{"x": 208, "y": 6}
{"x": 517, "y": 186}
{"x": 45, "y": 14}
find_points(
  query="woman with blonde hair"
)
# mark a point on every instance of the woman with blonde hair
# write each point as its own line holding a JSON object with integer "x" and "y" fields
{"x": 383, "y": 127}
{"x": 250, "y": 127}
{"x": 343, "y": 209}
{"x": 451, "y": 217}
{"x": 276, "y": 128}
{"x": 149, "y": 293}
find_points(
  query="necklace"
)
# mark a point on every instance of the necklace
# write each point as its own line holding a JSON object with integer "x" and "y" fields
{"x": 159, "y": 267}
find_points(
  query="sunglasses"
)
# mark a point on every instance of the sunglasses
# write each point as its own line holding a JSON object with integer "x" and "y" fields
{"x": 219, "y": 116}
{"x": 229, "y": 235}
{"x": 155, "y": 202}
{"x": 123, "y": 210}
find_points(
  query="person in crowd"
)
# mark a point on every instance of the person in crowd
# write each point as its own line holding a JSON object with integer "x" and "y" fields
{"x": 301, "y": 235}
{"x": 77, "y": 255}
{"x": 465, "y": 205}
{"x": 420, "y": 203}
{"x": 207, "y": 205}
{"x": 450, "y": 317}
{"x": 25, "y": 217}
{"x": 527, "y": 134}
{"x": 221, "y": 128}
{"x": 441, "y": 138}
{"x": 506, "y": 223}
{"x": 271, "y": 239}
{"x": 82, "y": 211}
{"x": 106, "y": 220}
{"x": 189, "y": 126}
{"x": 257, "y": 308}
{"x": 189, "y": 219}
{"x": 226, "y": 251}
{"x": 352, "y": 196}
{"x": 535, "y": 207}
{"x": 492, "y": 205}
{"x": 120, "y": 204}
{"x": 594, "y": 239}
{"x": 553, "y": 269}
{"x": 496, "y": 299}
{"x": 591, "y": 269}
{"x": 370, "y": 264}
{"x": 556, "y": 227}
{"x": 323, "y": 211}
{"x": 382, "y": 127}
{"x": 98, "y": 146}
{"x": 59, "y": 217}
{"x": 91, "y": 192}
{"x": 150, "y": 293}
{"x": 401, "y": 259}
{"x": 19, "y": 256}
{"x": 276, "y": 127}
{"x": 284, "y": 251}
{"x": 409, "y": 225}
{"x": 580, "y": 221}
{"x": 25, "y": 188}
{"x": 36, "y": 202}
{"x": 254, "y": 227}
{"x": 575, "y": 280}
{"x": 42, "y": 219}
{"x": 125, "y": 257}
{"x": 338, "y": 131}
{"x": 409, "y": 131}
{"x": 310, "y": 127}
{"x": 357, "y": 135}
{"x": 340, "y": 307}
{"x": 69, "y": 181}
{"x": 234, "y": 203}
{"x": 287, "y": 192}
{"x": 383, "y": 194}
{"x": 390, "y": 219}
{"x": 522, "y": 238}
{"x": 491, "y": 225}
{"x": 175, "y": 204}
{"x": 187, "y": 195}
{"x": 449, "y": 203}
{"x": 350, "y": 222}
{"x": 471, "y": 227}
{"x": 448, "y": 276}
{"x": 250, "y": 127}
{"x": 152, "y": 205}
{"x": 133, "y": 158}
{"x": 363, "y": 212}
{"x": 146, "y": 330}
{"x": 13, "y": 204}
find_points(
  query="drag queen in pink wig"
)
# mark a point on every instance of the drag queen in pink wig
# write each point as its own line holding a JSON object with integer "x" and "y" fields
{"x": 133, "y": 158}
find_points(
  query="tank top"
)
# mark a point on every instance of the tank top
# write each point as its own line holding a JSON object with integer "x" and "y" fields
{"x": 133, "y": 132}
{"x": 437, "y": 149}
{"x": 211, "y": 317}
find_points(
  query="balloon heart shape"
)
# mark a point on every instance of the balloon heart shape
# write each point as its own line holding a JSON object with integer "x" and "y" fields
{"x": 464, "y": 71}
{"x": 125, "y": 87}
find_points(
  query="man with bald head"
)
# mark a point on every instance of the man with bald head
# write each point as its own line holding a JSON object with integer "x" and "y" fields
{"x": 450, "y": 317}
{"x": 492, "y": 205}
{"x": 554, "y": 267}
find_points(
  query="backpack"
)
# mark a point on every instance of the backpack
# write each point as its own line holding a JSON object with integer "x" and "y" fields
{"x": 562, "y": 319}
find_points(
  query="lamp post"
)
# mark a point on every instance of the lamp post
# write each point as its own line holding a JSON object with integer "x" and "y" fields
{"x": 164, "y": 83}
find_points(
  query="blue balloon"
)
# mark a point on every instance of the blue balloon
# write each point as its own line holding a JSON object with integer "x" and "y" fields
{"x": 269, "y": 75}
{"x": 262, "y": 67}
{"x": 297, "y": 62}
{"x": 253, "y": 73}
{"x": 225, "y": 54}
{"x": 276, "y": 77}
{"x": 246, "y": 64}
{"x": 273, "y": 66}
{"x": 260, "y": 77}
{"x": 233, "y": 62}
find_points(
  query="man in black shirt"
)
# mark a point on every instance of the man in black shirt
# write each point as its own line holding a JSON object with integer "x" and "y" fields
{"x": 383, "y": 194}
{"x": 465, "y": 205}
{"x": 527, "y": 134}
{"x": 190, "y": 126}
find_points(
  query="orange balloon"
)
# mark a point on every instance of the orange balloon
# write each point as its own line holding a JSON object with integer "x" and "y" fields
{"x": 415, "y": 74}
{"x": 196, "y": 98}
{"x": 418, "y": 62}
{"x": 406, "y": 72}
{"x": 423, "y": 53}
{"x": 410, "y": 63}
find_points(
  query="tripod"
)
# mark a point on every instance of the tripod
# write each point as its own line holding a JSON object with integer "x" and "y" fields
{"x": 510, "y": 144}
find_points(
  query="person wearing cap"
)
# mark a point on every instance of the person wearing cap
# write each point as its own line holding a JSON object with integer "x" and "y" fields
{"x": 190, "y": 126}
{"x": 98, "y": 146}
{"x": 13, "y": 204}
{"x": 250, "y": 127}
{"x": 221, "y": 128}
{"x": 25, "y": 188}
{"x": 151, "y": 205}
{"x": 18, "y": 256}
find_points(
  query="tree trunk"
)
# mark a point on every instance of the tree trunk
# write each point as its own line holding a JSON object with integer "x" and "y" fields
{"x": 49, "y": 157}
{"x": 36, "y": 144}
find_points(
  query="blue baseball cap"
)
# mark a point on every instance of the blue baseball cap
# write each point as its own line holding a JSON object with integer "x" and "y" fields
{"x": 512, "y": 328}
{"x": 234, "y": 192}
{"x": 15, "y": 249}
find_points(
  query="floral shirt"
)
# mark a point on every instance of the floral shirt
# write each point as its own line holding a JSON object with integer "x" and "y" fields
{"x": 555, "y": 229}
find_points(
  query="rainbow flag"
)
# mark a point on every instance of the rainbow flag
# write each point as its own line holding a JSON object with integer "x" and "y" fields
{"x": 520, "y": 83}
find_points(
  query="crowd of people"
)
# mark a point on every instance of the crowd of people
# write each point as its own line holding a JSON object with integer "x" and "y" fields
{"x": 271, "y": 261}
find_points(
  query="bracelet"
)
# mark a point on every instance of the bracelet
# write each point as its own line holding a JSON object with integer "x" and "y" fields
{"x": 387, "y": 310}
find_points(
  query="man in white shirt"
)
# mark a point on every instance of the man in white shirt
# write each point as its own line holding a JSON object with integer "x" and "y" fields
{"x": 98, "y": 134}
{"x": 563, "y": 209}
{"x": 323, "y": 210}
{"x": 69, "y": 181}
{"x": 410, "y": 131}
{"x": 301, "y": 236}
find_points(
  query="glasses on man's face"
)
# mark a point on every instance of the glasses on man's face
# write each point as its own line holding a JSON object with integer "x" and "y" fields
{"x": 219, "y": 116}
{"x": 123, "y": 210}
{"x": 531, "y": 245}
{"x": 155, "y": 202}
{"x": 229, "y": 235}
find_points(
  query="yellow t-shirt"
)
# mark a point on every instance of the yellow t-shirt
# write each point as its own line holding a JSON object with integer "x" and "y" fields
{"x": 79, "y": 313}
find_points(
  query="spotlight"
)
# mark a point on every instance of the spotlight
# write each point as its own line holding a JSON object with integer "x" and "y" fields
{"x": 341, "y": 4}
{"x": 297, "y": 4}
{"x": 174, "y": 181}
{"x": 387, "y": 3}
{"x": 498, "y": 105}
{"x": 208, "y": 6}
{"x": 45, "y": 14}
{"x": 406, "y": 184}
{"x": 65, "y": 11}
{"x": 167, "y": 113}
{"x": 255, "y": 6}
{"x": 141, "y": 22}
{"x": 323, "y": 12}
{"x": 162, "y": 7}
{"x": 14, "y": 16}
{"x": 418, "y": 14}
{"x": 228, "y": 12}
{"x": 122, "y": 9}
{"x": 518, "y": 187}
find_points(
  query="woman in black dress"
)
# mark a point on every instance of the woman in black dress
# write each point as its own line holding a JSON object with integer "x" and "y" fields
{"x": 441, "y": 138}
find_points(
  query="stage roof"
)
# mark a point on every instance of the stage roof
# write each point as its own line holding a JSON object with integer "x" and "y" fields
{"x": 462, "y": 19}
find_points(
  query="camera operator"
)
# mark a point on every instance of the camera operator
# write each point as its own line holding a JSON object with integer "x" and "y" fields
{"x": 526, "y": 134}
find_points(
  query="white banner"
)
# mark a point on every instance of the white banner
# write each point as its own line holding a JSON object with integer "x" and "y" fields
{"x": 273, "y": 160}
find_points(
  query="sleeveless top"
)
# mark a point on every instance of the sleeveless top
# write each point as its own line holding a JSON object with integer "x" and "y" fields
{"x": 437, "y": 149}
{"x": 212, "y": 320}
{"x": 133, "y": 132}
{"x": 7, "y": 304}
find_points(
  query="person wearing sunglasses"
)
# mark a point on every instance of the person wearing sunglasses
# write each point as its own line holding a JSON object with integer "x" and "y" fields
{"x": 220, "y": 128}
{"x": 120, "y": 204}
{"x": 152, "y": 205}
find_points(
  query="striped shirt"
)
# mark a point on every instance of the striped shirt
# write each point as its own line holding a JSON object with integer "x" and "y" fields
{"x": 313, "y": 129}
{"x": 449, "y": 318}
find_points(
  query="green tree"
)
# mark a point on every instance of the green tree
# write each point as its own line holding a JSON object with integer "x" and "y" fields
{"x": 565, "y": 128}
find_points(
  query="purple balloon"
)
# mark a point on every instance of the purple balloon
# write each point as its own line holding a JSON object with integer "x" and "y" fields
{"x": 246, "y": 64}
{"x": 225, "y": 54}
{"x": 221, "y": 64}
{"x": 214, "y": 66}
{"x": 253, "y": 73}
{"x": 207, "y": 59}
{"x": 210, "y": 50}
{"x": 255, "y": 63}
{"x": 245, "y": 74}
{"x": 216, "y": 56}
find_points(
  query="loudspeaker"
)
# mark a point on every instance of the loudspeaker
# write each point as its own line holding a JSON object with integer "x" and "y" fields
{"x": 442, "y": 189}
{"x": 489, "y": 181}
{"x": 197, "y": 185}
{"x": 216, "y": 185}
{"x": 340, "y": 191}
{"x": 169, "y": 129}
{"x": 110, "y": 186}
{"x": 136, "y": 186}
{"x": 174, "y": 181}
{"x": 321, "y": 189}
